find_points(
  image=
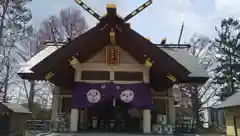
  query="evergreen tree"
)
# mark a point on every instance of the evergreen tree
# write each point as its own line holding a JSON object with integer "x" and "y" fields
{"x": 227, "y": 55}
{"x": 196, "y": 96}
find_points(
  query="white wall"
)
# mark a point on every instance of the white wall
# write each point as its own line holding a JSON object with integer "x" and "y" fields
{"x": 97, "y": 63}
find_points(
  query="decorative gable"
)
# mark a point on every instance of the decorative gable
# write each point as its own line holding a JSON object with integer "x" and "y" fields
{"x": 124, "y": 57}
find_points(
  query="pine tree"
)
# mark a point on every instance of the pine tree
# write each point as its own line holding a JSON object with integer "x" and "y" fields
{"x": 227, "y": 47}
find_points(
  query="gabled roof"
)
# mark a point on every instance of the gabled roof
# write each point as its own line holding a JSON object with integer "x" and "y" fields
{"x": 83, "y": 48}
{"x": 91, "y": 42}
{"x": 38, "y": 58}
{"x": 141, "y": 49}
{"x": 232, "y": 101}
{"x": 26, "y": 72}
{"x": 16, "y": 108}
{"x": 198, "y": 73}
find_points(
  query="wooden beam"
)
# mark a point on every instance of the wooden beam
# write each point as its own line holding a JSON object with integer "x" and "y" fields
{"x": 138, "y": 10}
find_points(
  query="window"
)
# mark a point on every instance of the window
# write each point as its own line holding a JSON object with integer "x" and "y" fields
{"x": 128, "y": 76}
{"x": 95, "y": 75}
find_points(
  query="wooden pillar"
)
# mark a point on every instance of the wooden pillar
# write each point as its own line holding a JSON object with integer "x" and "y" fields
{"x": 81, "y": 120}
{"x": 146, "y": 76}
{"x": 146, "y": 121}
{"x": 171, "y": 108}
{"x": 85, "y": 119}
{"x": 55, "y": 104}
{"x": 146, "y": 112}
{"x": 74, "y": 120}
{"x": 235, "y": 125}
{"x": 60, "y": 108}
{"x": 54, "y": 107}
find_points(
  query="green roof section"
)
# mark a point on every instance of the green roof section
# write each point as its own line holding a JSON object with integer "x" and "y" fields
{"x": 232, "y": 101}
{"x": 17, "y": 108}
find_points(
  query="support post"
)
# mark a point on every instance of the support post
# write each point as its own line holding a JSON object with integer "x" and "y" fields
{"x": 81, "y": 120}
{"x": 60, "y": 105}
{"x": 235, "y": 125}
{"x": 74, "y": 120}
{"x": 146, "y": 121}
{"x": 171, "y": 108}
{"x": 146, "y": 112}
{"x": 54, "y": 107}
{"x": 55, "y": 104}
{"x": 172, "y": 112}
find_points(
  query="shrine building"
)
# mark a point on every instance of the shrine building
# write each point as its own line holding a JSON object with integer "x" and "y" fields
{"x": 111, "y": 78}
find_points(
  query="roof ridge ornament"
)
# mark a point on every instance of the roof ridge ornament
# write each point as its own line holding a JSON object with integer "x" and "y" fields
{"x": 113, "y": 6}
{"x": 138, "y": 10}
{"x": 88, "y": 9}
{"x": 112, "y": 37}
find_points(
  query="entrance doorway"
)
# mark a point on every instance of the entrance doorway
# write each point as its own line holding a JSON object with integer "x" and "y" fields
{"x": 113, "y": 116}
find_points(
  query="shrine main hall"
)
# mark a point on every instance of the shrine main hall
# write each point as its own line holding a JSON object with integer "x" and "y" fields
{"x": 112, "y": 79}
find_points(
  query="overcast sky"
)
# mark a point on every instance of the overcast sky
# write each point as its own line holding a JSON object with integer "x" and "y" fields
{"x": 162, "y": 19}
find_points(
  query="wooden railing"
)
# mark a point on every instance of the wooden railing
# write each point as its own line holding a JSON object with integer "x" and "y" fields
{"x": 185, "y": 128}
{"x": 174, "y": 129}
{"x": 38, "y": 125}
{"x": 46, "y": 126}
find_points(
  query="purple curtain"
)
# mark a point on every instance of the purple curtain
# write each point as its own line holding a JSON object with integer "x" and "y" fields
{"x": 86, "y": 94}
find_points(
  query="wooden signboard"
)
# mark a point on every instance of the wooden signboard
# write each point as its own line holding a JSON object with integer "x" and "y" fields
{"x": 112, "y": 56}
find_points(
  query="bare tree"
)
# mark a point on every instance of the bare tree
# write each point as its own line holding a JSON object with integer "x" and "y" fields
{"x": 199, "y": 95}
{"x": 68, "y": 24}
{"x": 13, "y": 15}
{"x": 4, "y": 7}
{"x": 7, "y": 74}
{"x": 203, "y": 50}
{"x": 30, "y": 46}
{"x": 8, "y": 67}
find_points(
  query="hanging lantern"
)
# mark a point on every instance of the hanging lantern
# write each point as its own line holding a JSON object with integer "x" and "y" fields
{"x": 148, "y": 62}
{"x": 49, "y": 75}
{"x": 171, "y": 77}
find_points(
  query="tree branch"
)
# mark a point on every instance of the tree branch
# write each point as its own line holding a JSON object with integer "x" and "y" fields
{"x": 25, "y": 88}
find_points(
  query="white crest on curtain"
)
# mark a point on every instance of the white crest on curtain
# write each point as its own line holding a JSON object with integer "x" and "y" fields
{"x": 127, "y": 96}
{"x": 93, "y": 96}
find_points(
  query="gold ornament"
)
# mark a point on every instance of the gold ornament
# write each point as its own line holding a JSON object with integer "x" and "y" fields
{"x": 148, "y": 62}
{"x": 171, "y": 77}
{"x": 74, "y": 61}
{"x": 49, "y": 75}
{"x": 111, "y": 6}
{"x": 112, "y": 37}
{"x": 78, "y": 1}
